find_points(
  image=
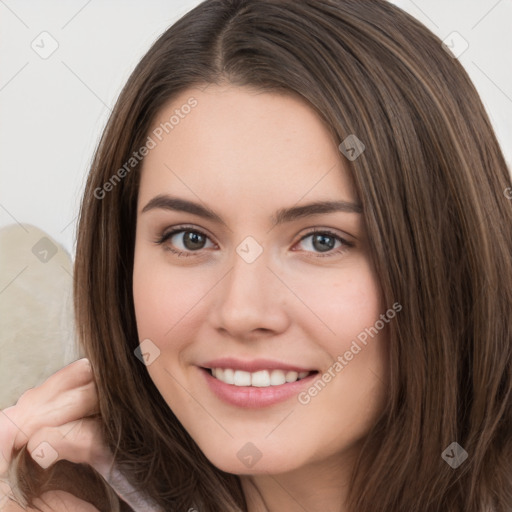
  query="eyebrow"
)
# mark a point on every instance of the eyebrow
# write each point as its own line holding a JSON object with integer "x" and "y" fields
{"x": 281, "y": 216}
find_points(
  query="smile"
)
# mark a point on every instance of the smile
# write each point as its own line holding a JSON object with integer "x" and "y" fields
{"x": 261, "y": 388}
{"x": 259, "y": 379}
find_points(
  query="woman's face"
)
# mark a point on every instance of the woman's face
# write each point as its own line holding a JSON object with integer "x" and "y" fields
{"x": 256, "y": 283}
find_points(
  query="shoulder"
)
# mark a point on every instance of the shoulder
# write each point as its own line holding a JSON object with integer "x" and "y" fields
{"x": 54, "y": 501}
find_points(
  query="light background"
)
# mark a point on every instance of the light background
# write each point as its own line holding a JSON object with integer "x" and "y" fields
{"x": 52, "y": 111}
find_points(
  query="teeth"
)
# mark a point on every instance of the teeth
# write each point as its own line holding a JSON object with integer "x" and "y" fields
{"x": 229, "y": 376}
{"x": 291, "y": 376}
{"x": 241, "y": 378}
{"x": 259, "y": 379}
{"x": 278, "y": 377}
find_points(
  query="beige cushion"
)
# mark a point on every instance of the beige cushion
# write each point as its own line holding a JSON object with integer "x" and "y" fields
{"x": 36, "y": 316}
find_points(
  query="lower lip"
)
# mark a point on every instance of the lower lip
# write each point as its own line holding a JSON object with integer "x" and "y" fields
{"x": 254, "y": 397}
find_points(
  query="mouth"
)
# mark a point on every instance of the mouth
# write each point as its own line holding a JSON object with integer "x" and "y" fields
{"x": 258, "y": 379}
{"x": 256, "y": 389}
{"x": 255, "y": 383}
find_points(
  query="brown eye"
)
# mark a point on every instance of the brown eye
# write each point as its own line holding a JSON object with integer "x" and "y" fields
{"x": 193, "y": 240}
{"x": 183, "y": 241}
{"x": 325, "y": 242}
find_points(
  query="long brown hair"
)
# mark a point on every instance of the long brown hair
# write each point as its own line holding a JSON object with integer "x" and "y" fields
{"x": 431, "y": 182}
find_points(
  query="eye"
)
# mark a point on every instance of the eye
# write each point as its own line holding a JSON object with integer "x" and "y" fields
{"x": 184, "y": 241}
{"x": 325, "y": 241}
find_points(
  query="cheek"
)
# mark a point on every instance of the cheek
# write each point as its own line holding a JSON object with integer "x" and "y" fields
{"x": 168, "y": 309}
{"x": 165, "y": 297}
{"x": 341, "y": 303}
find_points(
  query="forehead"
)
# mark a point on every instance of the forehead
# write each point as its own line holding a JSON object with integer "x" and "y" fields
{"x": 234, "y": 143}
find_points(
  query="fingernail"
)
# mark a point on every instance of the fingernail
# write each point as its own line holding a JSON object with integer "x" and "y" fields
{"x": 86, "y": 362}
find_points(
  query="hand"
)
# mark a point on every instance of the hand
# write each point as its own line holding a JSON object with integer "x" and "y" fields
{"x": 56, "y": 421}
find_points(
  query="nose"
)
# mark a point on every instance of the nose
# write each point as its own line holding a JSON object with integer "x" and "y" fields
{"x": 251, "y": 301}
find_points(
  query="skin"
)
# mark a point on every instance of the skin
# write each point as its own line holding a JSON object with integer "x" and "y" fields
{"x": 245, "y": 154}
{"x": 62, "y": 412}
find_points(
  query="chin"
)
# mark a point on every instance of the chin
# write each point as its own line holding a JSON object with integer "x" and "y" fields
{"x": 247, "y": 458}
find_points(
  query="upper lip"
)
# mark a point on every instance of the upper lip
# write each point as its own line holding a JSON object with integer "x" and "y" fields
{"x": 254, "y": 365}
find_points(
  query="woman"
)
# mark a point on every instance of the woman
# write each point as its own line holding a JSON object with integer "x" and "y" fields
{"x": 293, "y": 276}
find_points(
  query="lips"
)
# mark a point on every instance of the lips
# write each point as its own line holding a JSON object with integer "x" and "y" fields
{"x": 250, "y": 397}
{"x": 256, "y": 383}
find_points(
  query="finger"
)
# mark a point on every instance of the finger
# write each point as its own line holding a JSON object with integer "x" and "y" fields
{"x": 76, "y": 374}
{"x": 66, "y": 407}
{"x": 79, "y": 441}
{"x": 48, "y": 404}
{"x": 73, "y": 375}
{"x": 9, "y": 429}
{"x": 39, "y": 402}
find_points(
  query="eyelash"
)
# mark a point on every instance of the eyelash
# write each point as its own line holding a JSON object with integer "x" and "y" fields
{"x": 179, "y": 229}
